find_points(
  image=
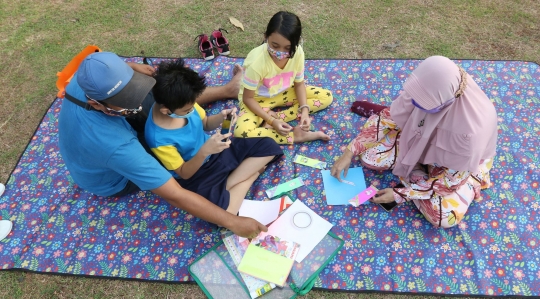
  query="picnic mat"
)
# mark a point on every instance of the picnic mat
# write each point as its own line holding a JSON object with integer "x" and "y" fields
{"x": 59, "y": 228}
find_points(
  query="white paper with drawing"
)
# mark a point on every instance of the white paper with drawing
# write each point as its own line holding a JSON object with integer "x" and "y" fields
{"x": 301, "y": 225}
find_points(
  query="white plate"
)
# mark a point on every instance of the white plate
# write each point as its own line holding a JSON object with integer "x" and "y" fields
{"x": 5, "y": 228}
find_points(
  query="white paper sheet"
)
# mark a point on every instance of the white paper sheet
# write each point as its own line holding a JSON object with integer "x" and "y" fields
{"x": 262, "y": 211}
{"x": 309, "y": 230}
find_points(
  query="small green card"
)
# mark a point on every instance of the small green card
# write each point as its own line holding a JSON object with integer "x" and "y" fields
{"x": 285, "y": 187}
{"x": 309, "y": 162}
{"x": 265, "y": 265}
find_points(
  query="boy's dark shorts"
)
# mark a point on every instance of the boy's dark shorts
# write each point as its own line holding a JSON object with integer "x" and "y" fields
{"x": 210, "y": 181}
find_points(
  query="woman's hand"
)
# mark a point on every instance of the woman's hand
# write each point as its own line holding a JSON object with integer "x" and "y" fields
{"x": 384, "y": 196}
{"x": 305, "y": 120}
{"x": 281, "y": 127}
{"x": 342, "y": 164}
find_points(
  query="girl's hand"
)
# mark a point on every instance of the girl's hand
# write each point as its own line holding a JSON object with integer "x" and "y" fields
{"x": 215, "y": 144}
{"x": 384, "y": 196}
{"x": 305, "y": 120}
{"x": 281, "y": 127}
{"x": 342, "y": 164}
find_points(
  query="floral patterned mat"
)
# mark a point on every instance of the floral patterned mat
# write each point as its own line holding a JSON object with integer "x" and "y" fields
{"x": 494, "y": 251}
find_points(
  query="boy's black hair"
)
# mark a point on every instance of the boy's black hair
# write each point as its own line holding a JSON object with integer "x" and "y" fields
{"x": 287, "y": 24}
{"x": 177, "y": 85}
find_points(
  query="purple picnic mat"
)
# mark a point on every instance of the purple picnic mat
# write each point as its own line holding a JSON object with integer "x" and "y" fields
{"x": 59, "y": 228}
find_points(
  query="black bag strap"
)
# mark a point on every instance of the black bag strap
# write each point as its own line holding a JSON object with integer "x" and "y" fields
{"x": 78, "y": 102}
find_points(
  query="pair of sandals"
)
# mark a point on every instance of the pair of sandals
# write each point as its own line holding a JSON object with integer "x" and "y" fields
{"x": 216, "y": 40}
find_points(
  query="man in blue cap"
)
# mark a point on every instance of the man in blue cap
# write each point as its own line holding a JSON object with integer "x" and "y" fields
{"x": 101, "y": 149}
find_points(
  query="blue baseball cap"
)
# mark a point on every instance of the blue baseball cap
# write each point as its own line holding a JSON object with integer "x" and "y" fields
{"x": 105, "y": 77}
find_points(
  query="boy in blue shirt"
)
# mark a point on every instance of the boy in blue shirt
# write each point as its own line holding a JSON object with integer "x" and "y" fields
{"x": 216, "y": 167}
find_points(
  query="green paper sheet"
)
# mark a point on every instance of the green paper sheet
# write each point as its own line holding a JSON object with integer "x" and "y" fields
{"x": 266, "y": 265}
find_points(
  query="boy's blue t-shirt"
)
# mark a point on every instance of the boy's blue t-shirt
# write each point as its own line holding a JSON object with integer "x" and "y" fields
{"x": 175, "y": 146}
{"x": 101, "y": 152}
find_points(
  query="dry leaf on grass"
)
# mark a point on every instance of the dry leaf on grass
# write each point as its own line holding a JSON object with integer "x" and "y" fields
{"x": 392, "y": 47}
{"x": 236, "y": 23}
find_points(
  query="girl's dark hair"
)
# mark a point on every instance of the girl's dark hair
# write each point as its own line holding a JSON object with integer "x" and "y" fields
{"x": 287, "y": 24}
{"x": 177, "y": 85}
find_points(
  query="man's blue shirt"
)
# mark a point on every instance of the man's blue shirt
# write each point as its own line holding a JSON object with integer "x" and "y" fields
{"x": 101, "y": 152}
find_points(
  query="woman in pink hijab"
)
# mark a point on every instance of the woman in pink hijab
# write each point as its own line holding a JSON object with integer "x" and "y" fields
{"x": 438, "y": 136}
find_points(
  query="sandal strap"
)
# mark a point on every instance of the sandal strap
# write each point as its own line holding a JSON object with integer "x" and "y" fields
{"x": 199, "y": 36}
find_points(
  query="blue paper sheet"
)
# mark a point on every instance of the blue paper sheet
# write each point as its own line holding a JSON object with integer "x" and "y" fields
{"x": 339, "y": 193}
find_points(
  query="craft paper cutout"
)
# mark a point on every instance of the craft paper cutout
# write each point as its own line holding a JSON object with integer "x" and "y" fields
{"x": 303, "y": 160}
{"x": 285, "y": 202}
{"x": 363, "y": 196}
{"x": 277, "y": 245}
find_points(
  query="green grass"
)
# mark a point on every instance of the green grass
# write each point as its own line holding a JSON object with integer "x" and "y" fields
{"x": 37, "y": 38}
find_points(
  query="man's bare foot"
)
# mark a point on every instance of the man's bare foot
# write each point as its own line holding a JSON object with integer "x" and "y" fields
{"x": 233, "y": 87}
{"x": 237, "y": 68}
{"x": 302, "y": 136}
{"x": 274, "y": 115}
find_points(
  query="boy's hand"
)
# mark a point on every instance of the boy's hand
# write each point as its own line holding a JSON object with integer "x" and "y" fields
{"x": 215, "y": 144}
{"x": 281, "y": 127}
{"x": 228, "y": 111}
{"x": 247, "y": 227}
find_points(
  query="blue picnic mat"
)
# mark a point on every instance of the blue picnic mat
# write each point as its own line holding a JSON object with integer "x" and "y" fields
{"x": 60, "y": 228}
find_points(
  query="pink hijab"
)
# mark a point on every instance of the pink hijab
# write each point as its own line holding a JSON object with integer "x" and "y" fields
{"x": 459, "y": 137}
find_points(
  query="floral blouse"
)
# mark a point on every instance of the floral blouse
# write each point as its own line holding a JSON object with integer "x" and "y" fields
{"x": 425, "y": 181}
